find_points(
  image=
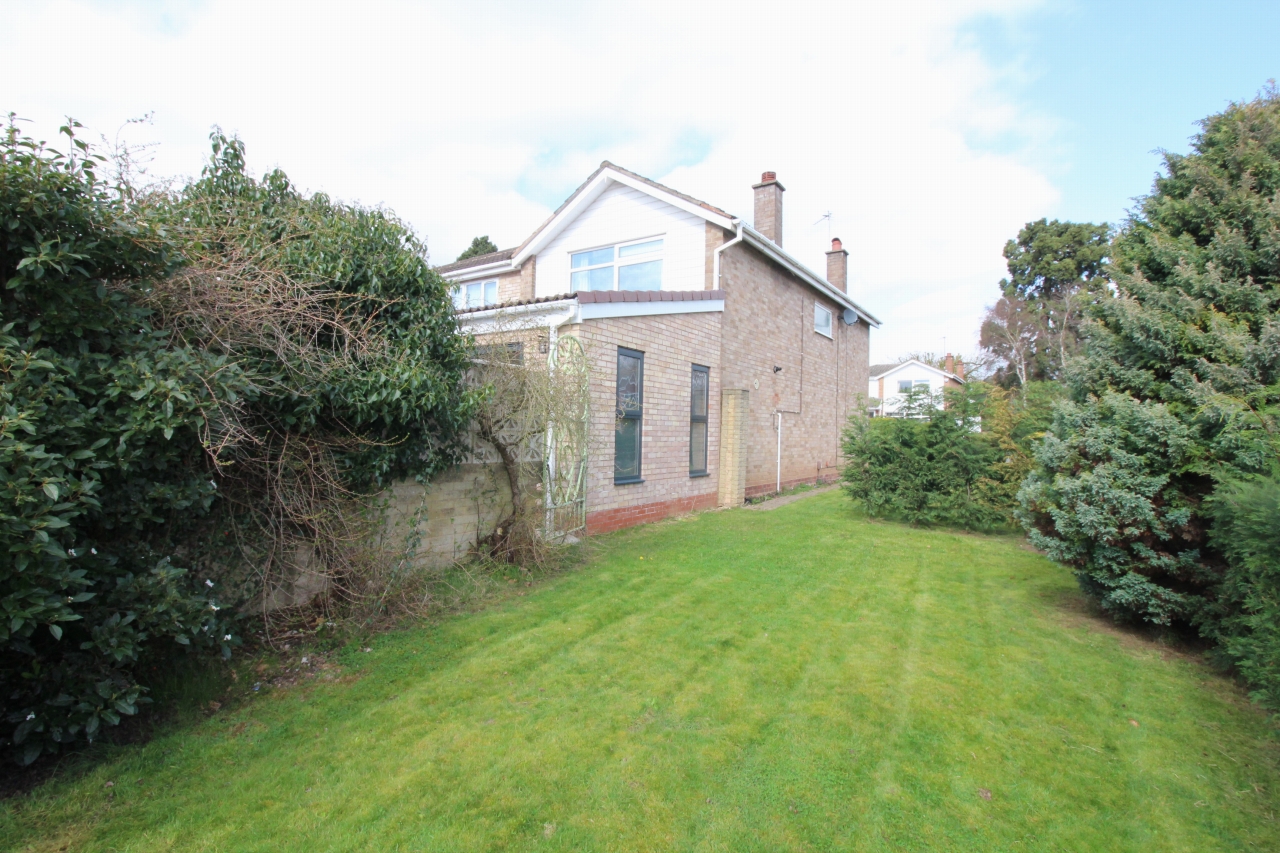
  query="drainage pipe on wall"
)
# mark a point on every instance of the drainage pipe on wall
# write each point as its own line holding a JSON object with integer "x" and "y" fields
{"x": 779, "y": 486}
{"x": 715, "y": 263}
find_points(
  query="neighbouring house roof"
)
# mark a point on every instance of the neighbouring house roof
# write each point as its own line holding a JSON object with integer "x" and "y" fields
{"x": 879, "y": 371}
{"x": 597, "y": 183}
{"x": 477, "y": 261}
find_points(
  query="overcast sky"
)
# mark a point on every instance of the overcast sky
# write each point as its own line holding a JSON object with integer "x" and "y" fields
{"x": 930, "y": 131}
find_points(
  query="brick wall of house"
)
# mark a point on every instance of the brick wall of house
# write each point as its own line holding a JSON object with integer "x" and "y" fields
{"x": 518, "y": 284}
{"x": 768, "y": 323}
{"x": 672, "y": 344}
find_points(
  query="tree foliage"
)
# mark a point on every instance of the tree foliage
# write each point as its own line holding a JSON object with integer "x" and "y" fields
{"x": 167, "y": 360}
{"x": 957, "y": 464}
{"x": 479, "y": 246}
{"x": 1056, "y": 270}
{"x": 1178, "y": 386}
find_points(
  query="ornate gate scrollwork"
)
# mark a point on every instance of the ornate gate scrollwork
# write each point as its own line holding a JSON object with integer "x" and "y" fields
{"x": 565, "y": 476}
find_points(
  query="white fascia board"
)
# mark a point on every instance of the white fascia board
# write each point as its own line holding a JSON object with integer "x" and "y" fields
{"x": 471, "y": 273}
{"x": 601, "y": 310}
{"x": 772, "y": 250}
{"x": 592, "y": 192}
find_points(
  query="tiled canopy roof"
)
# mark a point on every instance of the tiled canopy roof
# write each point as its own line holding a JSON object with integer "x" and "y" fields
{"x": 596, "y": 296}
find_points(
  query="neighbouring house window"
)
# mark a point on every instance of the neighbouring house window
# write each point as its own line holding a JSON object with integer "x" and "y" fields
{"x": 905, "y": 385}
{"x": 625, "y": 266}
{"x": 699, "y": 387}
{"x": 821, "y": 320}
{"x": 476, "y": 294}
{"x": 628, "y": 416}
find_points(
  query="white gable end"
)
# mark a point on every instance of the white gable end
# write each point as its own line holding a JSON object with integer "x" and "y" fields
{"x": 620, "y": 214}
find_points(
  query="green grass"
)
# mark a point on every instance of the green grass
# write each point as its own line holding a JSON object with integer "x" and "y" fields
{"x": 794, "y": 680}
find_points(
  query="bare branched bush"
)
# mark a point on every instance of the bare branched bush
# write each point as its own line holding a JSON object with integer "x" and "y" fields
{"x": 530, "y": 409}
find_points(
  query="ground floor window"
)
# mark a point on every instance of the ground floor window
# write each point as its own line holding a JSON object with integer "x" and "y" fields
{"x": 699, "y": 388}
{"x": 628, "y": 416}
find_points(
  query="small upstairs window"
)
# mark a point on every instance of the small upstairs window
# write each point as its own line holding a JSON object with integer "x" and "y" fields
{"x": 475, "y": 294}
{"x": 822, "y": 320}
{"x": 905, "y": 385}
{"x": 624, "y": 266}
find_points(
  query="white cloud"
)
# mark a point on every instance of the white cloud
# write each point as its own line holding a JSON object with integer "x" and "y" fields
{"x": 478, "y": 118}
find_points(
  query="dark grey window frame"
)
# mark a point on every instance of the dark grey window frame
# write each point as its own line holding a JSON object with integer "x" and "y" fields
{"x": 695, "y": 418}
{"x": 624, "y": 414}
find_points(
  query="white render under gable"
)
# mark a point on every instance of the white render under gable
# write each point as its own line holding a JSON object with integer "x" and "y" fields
{"x": 620, "y": 214}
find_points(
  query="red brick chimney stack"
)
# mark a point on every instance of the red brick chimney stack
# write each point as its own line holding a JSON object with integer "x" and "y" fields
{"x": 768, "y": 218}
{"x": 950, "y": 364}
{"x": 838, "y": 266}
{"x": 960, "y": 368}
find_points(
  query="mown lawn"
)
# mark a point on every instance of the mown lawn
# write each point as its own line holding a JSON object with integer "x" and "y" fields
{"x": 799, "y": 679}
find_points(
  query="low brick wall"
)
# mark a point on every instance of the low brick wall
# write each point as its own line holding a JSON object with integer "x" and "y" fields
{"x": 608, "y": 520}
{"x": 461, "y": 504}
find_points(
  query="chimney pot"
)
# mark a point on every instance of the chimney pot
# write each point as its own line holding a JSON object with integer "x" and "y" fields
{"x": 768, "y": 218}
{"x": 838, "y": 266}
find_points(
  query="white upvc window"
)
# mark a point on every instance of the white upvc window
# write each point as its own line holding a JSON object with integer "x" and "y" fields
{"x": 635, "y": 265}
{"x": 822, "y": 320}
{"x": 905, "y": 385}
{"x": 475, "y": 294}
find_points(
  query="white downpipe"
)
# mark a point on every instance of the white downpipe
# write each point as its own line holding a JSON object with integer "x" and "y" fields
{"x": 779, "y": 486}
{"x": 715, "y": 262}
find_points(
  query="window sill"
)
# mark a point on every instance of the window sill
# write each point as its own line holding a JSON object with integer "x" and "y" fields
{"x": 694, "y": 476}
{"x": 629, "y": 482}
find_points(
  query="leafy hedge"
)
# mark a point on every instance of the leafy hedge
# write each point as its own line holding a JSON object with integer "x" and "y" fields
{"x": 956, "y": 461}
{"x": 123, "y": 421}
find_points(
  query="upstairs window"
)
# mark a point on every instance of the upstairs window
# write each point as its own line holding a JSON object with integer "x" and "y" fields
{"x": 624, "y": 266}
{"x": 905, "y": 385}
{"x": 476, "y": 294}
{"x": 821, "y": 320}
{"x": 699, "y": 387}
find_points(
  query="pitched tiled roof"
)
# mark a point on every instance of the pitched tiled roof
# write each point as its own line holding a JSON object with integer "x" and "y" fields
{"x": 878, "y": 369}
{"x": 477, "y": 261}
{"x": 605, "y": 164}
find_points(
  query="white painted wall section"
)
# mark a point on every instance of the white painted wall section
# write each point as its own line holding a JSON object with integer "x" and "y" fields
{"x": 621, "y": 214}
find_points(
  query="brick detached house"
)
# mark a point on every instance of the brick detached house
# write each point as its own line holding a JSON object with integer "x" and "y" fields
{"x": 721, "y": 367}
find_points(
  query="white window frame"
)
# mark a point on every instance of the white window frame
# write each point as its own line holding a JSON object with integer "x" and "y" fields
{"x": 616, "y": 262}
{"x": 915, "y": 383}
{"x": 487, "y": 295}
{"x": 818, "y": 307}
